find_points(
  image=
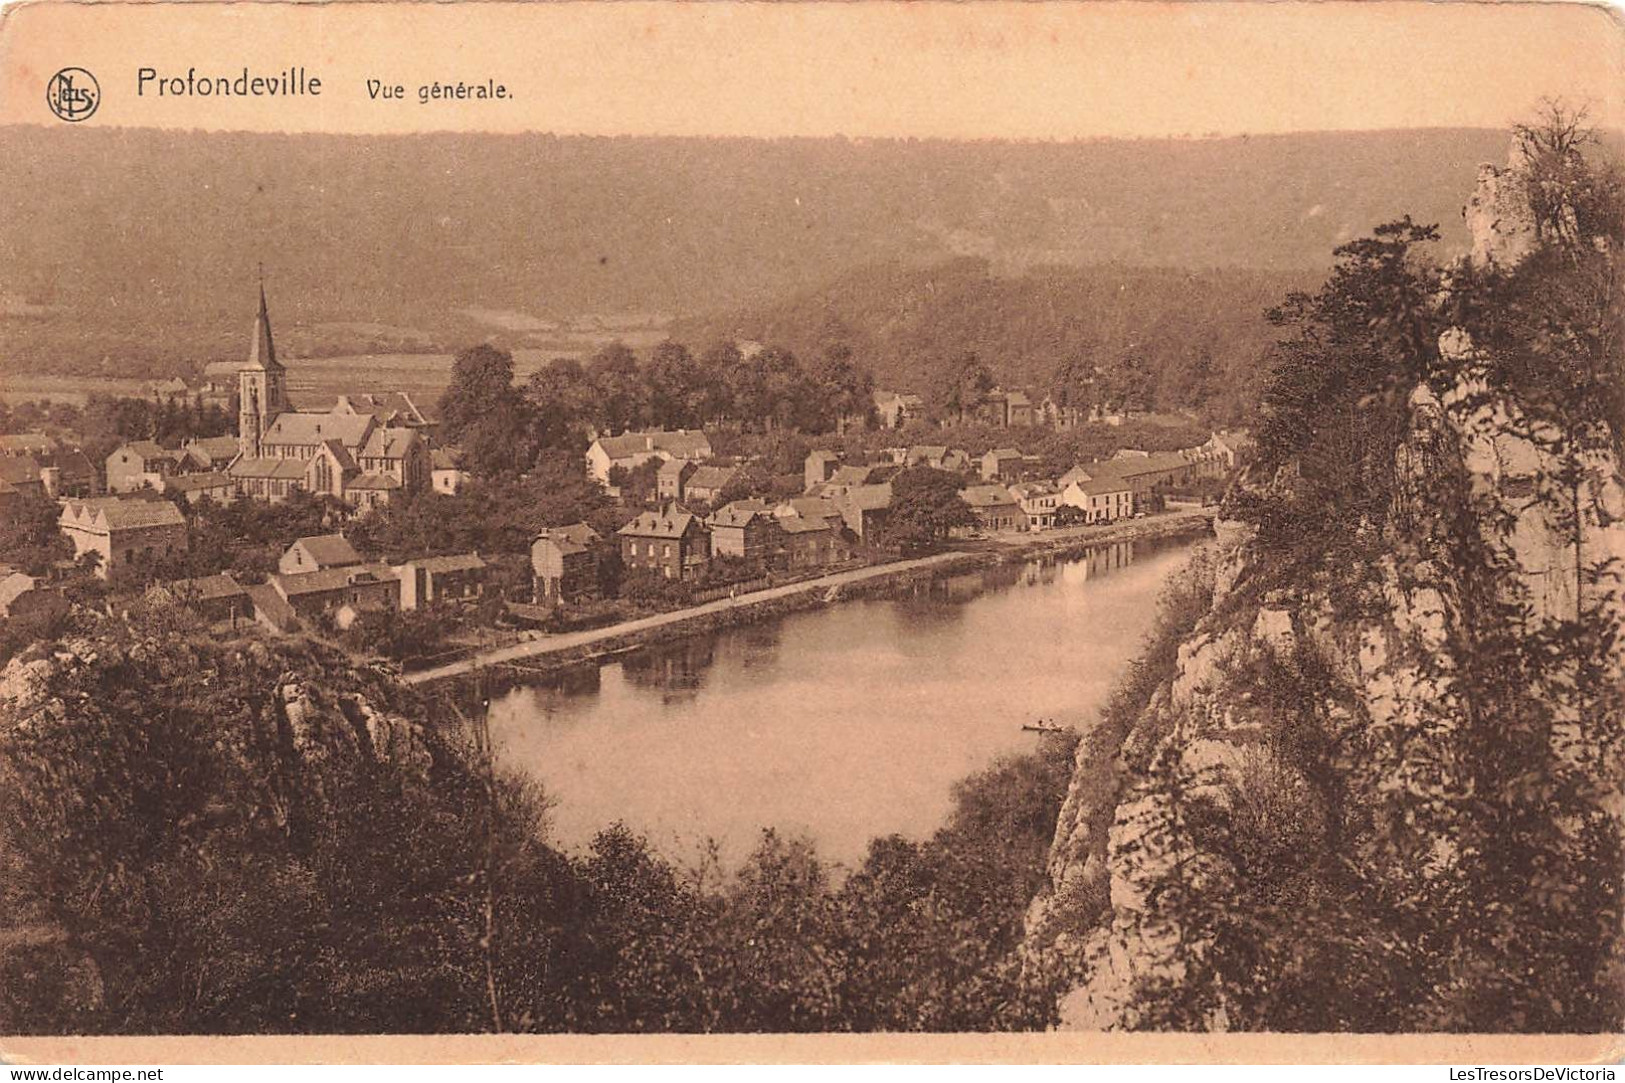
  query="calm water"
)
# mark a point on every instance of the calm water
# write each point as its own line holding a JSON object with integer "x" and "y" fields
{"x": 842, "y": 723}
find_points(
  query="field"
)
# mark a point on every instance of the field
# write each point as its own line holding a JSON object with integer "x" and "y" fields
{"x": 314, "y": 381}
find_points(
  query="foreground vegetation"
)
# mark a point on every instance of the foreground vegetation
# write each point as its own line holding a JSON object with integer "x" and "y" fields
{"x": 185, "y": 851}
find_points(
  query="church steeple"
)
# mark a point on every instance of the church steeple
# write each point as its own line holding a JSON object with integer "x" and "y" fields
{"x": 261, "y": 384}
{"x": 262, "y": 352}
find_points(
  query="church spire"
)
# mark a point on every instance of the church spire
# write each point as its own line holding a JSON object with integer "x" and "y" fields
{"x": 262, "y": 352}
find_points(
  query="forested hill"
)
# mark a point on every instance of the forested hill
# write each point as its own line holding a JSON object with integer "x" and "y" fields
{"x": 139, "y": 244}
{"x": 1199, "y": 334}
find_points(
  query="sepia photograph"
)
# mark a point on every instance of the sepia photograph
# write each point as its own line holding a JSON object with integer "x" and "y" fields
{"x": 1056, "y": 520}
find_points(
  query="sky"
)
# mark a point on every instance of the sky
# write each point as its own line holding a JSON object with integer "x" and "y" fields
{"x": 990, "y": 69}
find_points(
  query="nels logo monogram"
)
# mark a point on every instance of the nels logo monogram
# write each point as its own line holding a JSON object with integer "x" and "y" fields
{"x": 73, "y": 94}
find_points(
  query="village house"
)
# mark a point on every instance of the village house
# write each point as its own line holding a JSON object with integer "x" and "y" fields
{"x": 22, "y": 476}
{"x": 671, "y": 478}
{"x": 446, "y": 472}
{"x": 810, "y": 542}
{"x": 141, "y": 464}
{"x": 123, "y": 532}
{"x": 1039, "y": 501}
{"x": 69, "y": 472}
{"x": 194, "y": 487}
{"x": 708, "y": 482}
{"x": 852, "y": 476}
{"x": 819, "y": 466}
{"x": 930, "y": 455}
{"x": 1004, "y": 409}
{"x": 564, "y": 560}
{"x": 318, "y": 553}
{"x": 865, "y": 509}
{"x": 1102, "y": 500}
{"x": 668, "y": 543}
{"x": 218, "y": 598}
{"x": 340, "y": 594}
{"x": 27, "y": 596}
{"x": 1146, "y": 473}
{"x": 896, "y": 410}
{"x": 1052, "y": 413}
{"x": 817, "y": 508}
{"x": 36, "y": 444}
{"x": 745, "y": 529}
{"x": 1222, "y": 454}
{"x": 210, "y": 452}
{"x": 1001, "y": 464}
{"x": 458, "y": 578}
{"x": 633, "y": 449}
{"x": 346, "y": 453}
{"x": 390, "y": 409}
{"x": 994, "y": 507}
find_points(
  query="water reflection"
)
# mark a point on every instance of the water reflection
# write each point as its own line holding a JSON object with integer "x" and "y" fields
{"x": 845, "y": 722}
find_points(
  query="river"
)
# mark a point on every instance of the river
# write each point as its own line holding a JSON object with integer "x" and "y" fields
{"x": 841, "y": 723}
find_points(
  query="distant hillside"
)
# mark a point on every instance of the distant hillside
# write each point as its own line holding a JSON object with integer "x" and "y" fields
{"x": 903, "y": 323}
{"x": 130, "y": 248}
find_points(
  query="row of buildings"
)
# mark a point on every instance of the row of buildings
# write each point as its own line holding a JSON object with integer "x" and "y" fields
{"x": 33, "y": 464}
{"x": 672, "y": 543}
{"x": 323, "y": 579}
{"x": 1000, "y": 408}
{"x": 1008, "y": 490}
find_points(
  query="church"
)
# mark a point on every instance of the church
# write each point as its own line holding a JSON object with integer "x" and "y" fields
{"x": 364, "y": 452}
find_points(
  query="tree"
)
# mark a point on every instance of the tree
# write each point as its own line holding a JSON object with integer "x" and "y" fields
{"x": 676, "y": 386}
{"x": 925, "y": 507}
{"x": 483, "y": 413}
{"x": 959, "y": 387}
{"x": 622, "y": 394}
{"x": 29, "y": 535}
{"x": 562, "y": 400}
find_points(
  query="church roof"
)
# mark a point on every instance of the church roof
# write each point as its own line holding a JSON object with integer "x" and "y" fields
{"x": 388, "y": 443}
{"x": 341, "y": 456}
{"x": 247, "y": 467}
{"x": 262, "y": 352}
{"x": 312, "y": 429}
{"x": 373, "y": 481}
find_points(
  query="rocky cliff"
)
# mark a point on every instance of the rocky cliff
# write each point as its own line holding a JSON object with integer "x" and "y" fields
{"x": 189, "y": 823}
{"x": 1305, "y": 788}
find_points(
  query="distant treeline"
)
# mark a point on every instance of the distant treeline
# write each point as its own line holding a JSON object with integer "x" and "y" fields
{"x": 1160, "y": 338}
{"x": 413, "y": 234}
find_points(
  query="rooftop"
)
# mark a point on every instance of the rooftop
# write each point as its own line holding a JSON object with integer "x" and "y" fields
{"x": 986, "y": 496}
{"x": 308, "y": 429}
{"x": 659, "y": 524}
{"x": 267, "y": 467}
{"x": 683, "y": 444}
{"x": 18, "y": 469}
{"x": 712, "y": 477}
{"x": 389, "y": 443}
{"x": 329, "y": 550}
{"x": 191, "y": 483}
{"x": 207, "y": 588}
{"x": 328, "y": 579}
{"x": 373, "y": 481}
{"x": 18, "y": 442}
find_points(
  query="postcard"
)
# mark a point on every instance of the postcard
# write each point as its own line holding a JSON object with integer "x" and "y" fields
{"x": 869, "y": 531}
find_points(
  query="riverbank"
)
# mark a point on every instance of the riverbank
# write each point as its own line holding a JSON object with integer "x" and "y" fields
{"x": 553, "y": 654}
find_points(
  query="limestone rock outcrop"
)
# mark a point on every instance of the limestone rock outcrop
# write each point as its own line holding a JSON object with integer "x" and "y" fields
{"x": 1200, "y": 785}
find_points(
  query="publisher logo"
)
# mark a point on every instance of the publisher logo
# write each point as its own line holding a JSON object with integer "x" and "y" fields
{"x": 73, "y": 94}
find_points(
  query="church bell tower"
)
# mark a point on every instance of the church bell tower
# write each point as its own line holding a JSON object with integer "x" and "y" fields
{"x": 261, "y": 385}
